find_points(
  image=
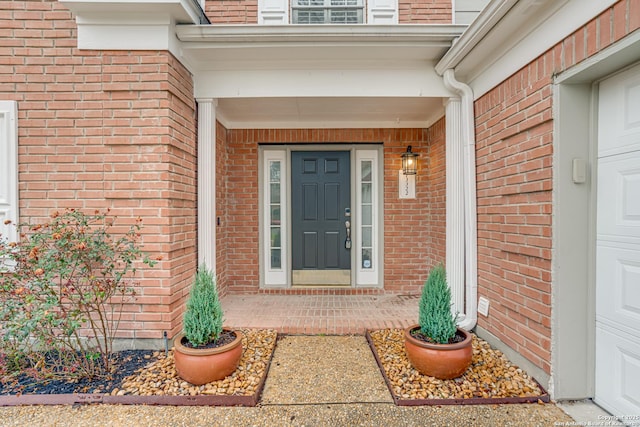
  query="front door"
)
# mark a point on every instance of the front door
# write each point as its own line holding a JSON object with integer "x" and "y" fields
{"x": 320, "y": 210}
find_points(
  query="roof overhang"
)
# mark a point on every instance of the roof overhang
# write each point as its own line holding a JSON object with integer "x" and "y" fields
{"x": 204, "y": 46}
{"x": 319, "y": 75}
{"x": 509, "y": 34}
{"x": 182, "y": 11}
{"x": 287, "y": 75}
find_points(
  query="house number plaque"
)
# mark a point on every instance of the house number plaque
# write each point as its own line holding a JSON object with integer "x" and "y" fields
{"x": 406, "y": 186}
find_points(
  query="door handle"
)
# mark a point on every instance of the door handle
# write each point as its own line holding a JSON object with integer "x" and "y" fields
{"x": 347, "y": 243}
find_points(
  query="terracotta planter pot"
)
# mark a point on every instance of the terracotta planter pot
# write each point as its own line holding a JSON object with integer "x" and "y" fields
{"x": 201, "y": 366}
{"x": 443, "y": 361}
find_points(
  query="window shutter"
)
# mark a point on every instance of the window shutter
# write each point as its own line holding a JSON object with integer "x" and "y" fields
{"x": 273, "y": 12}
{"x": 382, "y": 11}
{"x": 8, "y": 168}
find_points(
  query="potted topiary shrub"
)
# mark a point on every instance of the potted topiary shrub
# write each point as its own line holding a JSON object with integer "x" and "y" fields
{"x": 205, "y": 351}
{"x": 436, "y": 346}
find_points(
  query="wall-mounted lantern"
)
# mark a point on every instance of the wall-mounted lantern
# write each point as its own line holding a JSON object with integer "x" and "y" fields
{"x": 409, "y": 162}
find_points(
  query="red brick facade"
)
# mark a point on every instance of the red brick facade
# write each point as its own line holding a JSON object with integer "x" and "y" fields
{"x": 414, "y": 228}
{"x": 232, "y": 11}
{"x": 104, "y": 130}
{"x": 425, "y": 12}
{"x": 107, "y": 129}
{"x": 117, "y": 130}
{"x": 514, "y": 133}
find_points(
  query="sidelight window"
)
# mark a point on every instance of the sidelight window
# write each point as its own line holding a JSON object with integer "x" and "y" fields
{"x": 274, "y": 218}
{"x": 368, "y": 214}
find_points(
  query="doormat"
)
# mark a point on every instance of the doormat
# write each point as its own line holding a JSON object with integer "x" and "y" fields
{"x": 491, "y": 378}
{"x": 157, "y": 383}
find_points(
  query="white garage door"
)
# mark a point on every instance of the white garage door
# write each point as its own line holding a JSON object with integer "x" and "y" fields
{"x": 618, "y": 245}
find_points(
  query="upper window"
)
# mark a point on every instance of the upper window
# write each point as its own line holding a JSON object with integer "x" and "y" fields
{"x": 327, "y": 11}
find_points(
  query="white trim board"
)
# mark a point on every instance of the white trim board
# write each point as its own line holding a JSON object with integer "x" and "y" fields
{"x": 573, "y": 265}
{"x": 8, "y": 168}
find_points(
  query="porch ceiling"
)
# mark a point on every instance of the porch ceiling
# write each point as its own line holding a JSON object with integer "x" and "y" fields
{"x": 329, "y": 112}
{"x": 319, "y": 76}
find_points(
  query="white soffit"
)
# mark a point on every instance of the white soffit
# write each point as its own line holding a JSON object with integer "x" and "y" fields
{"x": 182, "y": 11}
{"x": 329, "y": 112}
{"x": 507, "y": 35}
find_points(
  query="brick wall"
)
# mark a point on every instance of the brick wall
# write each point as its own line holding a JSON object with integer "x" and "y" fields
{"x": 436, "y": 195}
{"x": 102, "y": 130}
{"x": 222, "y": 203}
{"x": 425, "y": 12}
{"x": 232, "y": 11}
{"x": 514, "y": 179}
{"x": 414, "y": 229}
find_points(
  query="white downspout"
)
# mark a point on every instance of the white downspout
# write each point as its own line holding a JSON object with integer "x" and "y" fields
{"x": 470, "y": 216}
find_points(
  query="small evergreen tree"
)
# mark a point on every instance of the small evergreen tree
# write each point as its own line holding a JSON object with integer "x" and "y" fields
{"x": 435, "y": 317}
{"x": 203, "y": 316}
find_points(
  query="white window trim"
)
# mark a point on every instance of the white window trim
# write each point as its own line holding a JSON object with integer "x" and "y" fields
{"x": 275, "y": 277}
{"x": 9, "y": 174}
{"x": 273, "y": 12}
{"x": 371, "y": 276}
{"x": 382, "y": 12}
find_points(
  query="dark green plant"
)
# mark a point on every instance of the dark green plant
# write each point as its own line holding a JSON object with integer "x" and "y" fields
{"x": 62, "y": 289}
{"x": 435, "y": 317}
{"x": 203, "y": 316}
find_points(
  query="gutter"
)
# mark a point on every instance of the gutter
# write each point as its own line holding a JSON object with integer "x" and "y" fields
{"x": 479, "y": 28}
{"x": 441, "y": 36}
{"x": 197, "y": 8}
{"x": 470, "y": 210}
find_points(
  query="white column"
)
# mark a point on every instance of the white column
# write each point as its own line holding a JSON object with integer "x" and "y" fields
{"x": 455, "y": 203}
{"x": 207, "y": 182}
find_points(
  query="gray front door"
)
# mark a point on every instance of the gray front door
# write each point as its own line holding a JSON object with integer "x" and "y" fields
{"x": 320, "y": 205}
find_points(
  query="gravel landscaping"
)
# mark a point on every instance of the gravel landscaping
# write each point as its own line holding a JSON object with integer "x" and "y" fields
{"x": 314, "y": 381}
{"x": 160, "y": 378}
{"x": 490, "y": 376}
{"x": 148, "y": 373}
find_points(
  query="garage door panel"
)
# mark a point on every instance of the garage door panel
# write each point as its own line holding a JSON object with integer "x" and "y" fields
{"x": 618, "y": 244}
{"x": 619, "y": 198}
{"x": 618, "y": 290}
{"x": 616, "y": 386}
{"x": 619, "y": 114}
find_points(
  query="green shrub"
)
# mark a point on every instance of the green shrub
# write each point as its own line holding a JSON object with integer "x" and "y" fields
{"x": 435, "y": 317}
{"x": 203, "y": 316}
{"x": 62, "y": 288}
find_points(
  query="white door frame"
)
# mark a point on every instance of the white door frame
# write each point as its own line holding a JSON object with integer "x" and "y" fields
{"x": 574, "y": 219}
{"x": 280, "y": 278}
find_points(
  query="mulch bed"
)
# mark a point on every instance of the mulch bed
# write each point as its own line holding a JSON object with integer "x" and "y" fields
{"x": 146, "y": 377}
{"x": 125, "y": 363}
{"x": 491, "y": 378}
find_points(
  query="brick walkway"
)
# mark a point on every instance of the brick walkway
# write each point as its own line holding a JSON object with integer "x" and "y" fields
{"x": 320, "y": 314}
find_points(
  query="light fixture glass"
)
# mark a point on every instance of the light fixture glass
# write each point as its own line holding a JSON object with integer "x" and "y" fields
{"x": 409, "y": 162}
